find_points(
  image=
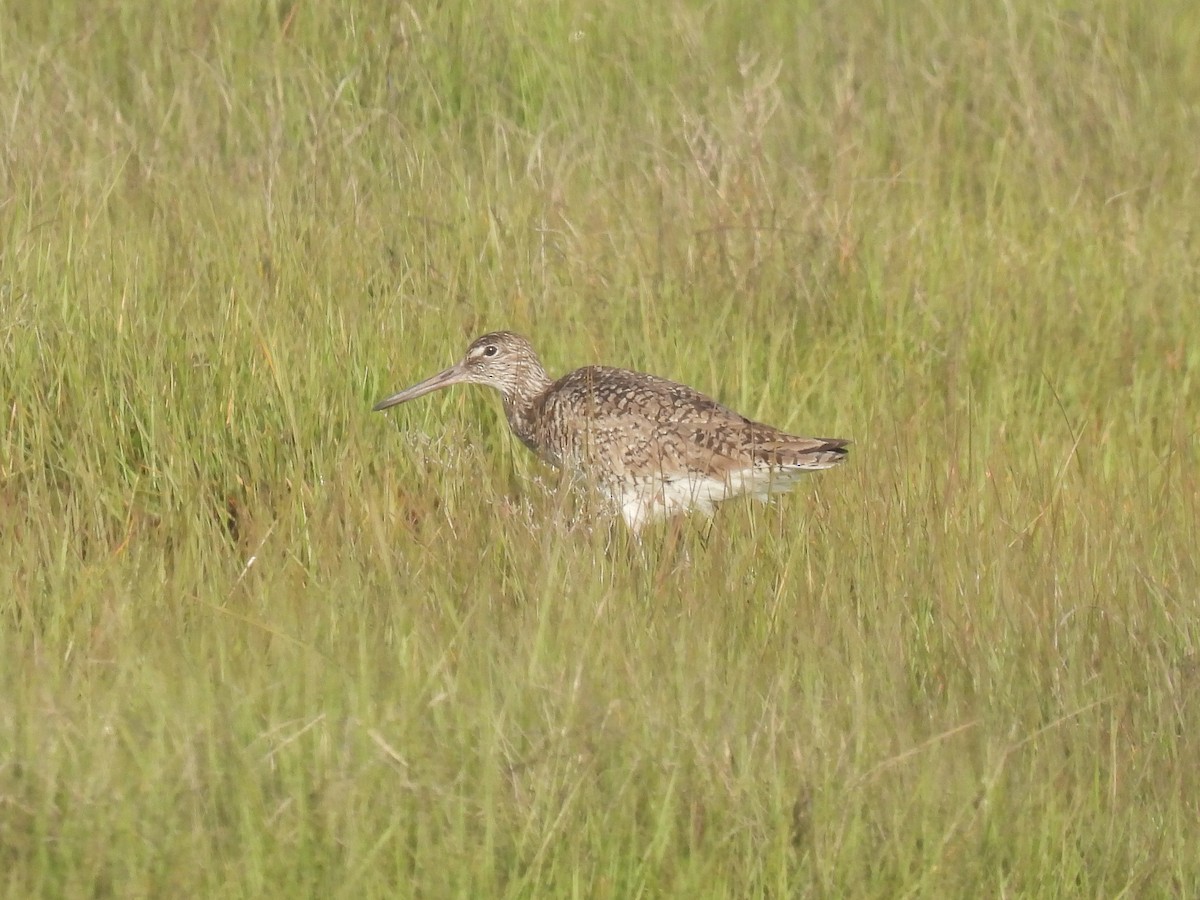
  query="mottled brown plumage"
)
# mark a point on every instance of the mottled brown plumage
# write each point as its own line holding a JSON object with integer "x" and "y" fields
{"x": 651, "y": 446}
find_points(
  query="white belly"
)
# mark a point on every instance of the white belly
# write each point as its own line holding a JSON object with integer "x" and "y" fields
{"x": 645, "y": 500}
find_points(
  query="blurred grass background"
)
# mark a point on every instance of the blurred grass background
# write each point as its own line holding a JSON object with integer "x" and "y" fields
{"x": 255, "y": 641}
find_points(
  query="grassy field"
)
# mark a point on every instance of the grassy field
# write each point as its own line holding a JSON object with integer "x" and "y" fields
{"x": 256, "y": 641}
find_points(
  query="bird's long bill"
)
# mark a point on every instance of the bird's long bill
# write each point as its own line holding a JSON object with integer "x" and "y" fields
{"x": 452, "y": 375}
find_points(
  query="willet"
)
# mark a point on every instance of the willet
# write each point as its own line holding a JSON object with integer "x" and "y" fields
{"x": 651, "y": 447}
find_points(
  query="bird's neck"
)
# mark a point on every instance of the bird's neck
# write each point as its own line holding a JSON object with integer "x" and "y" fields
{"x": 522, "y": 405}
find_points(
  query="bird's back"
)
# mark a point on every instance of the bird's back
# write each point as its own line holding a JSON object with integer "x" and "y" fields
{"x": 615, "y": 423}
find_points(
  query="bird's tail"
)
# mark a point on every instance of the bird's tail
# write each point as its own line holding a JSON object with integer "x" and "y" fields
{"x": 803, "y": 453}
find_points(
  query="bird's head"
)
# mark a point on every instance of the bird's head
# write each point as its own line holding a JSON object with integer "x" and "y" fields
{"x": 502, "y": 360}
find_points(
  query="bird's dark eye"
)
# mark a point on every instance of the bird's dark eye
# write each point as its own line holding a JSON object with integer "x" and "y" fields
{"x": 490, "y": 350}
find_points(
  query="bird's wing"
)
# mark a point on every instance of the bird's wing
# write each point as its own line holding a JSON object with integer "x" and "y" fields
{"x": 626, "y": 424}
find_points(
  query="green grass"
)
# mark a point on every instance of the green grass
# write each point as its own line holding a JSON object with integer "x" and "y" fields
{"x": 256, "y": 641}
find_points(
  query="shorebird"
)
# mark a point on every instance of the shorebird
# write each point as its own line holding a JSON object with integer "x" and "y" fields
{"x": 651, "y": 447}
